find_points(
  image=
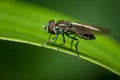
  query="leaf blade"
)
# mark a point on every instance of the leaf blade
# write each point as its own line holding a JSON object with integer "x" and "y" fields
{"x": 23, "y": 23}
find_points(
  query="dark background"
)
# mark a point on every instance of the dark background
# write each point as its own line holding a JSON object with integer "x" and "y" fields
{"x": 22, "y": 61}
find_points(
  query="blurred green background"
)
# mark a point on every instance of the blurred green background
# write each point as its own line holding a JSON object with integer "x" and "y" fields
{"x": 22, "y": 61}
{"x": 99, "y": 12}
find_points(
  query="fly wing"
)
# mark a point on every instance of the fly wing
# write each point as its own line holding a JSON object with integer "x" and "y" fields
{"x": 99, "y": 30}
{"x": 63, "y": 23}
{"x": 93, "y": 28}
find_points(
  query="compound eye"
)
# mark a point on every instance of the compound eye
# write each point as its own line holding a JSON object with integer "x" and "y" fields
{"x": 51, "y": 21}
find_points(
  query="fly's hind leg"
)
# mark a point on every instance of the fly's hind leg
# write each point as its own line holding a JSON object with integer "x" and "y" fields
{"x": 76, "y": 45}
{"x": 74, "y": 38}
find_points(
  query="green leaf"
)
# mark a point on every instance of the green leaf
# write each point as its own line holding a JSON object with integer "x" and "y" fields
{"x": 22, "y": 22}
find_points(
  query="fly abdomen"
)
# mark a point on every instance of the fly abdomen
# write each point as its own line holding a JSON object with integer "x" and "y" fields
{"x": 87, "y": 36}
{"x": 92, "y": 37}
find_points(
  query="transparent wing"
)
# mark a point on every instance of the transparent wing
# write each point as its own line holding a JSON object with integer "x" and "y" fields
{"x": 94, "y": 28}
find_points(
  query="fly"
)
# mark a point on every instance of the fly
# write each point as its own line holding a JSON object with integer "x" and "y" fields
{"x": 74, "y": 30}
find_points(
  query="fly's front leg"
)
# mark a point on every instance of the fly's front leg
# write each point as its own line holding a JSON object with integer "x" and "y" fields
{"x": 46, "y": 41}
{"x": 54, "y": 39}
{"x": 49, "y": 38}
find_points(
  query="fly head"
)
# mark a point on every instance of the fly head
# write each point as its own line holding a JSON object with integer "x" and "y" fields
{"x": 51, "y": 28}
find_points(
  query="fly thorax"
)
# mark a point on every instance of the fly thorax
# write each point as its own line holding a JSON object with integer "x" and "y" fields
{"x": 61, "y": 25}
{"x": 56, "y": 30}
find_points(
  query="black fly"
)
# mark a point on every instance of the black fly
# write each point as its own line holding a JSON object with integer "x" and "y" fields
{"x": 68, "y": 28}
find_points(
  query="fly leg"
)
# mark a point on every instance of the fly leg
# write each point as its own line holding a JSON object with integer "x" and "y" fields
{"x": 75, "y": 44}
{"x": 54, "y": 39}
{"x": 63, "y": 41}
{"x": 73, "y": 38}
{"x": 72, "y": 42}
{"x": 44, "y": 43}
{"x": 68, "y": 34}
{"x": 49, "y": 38}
